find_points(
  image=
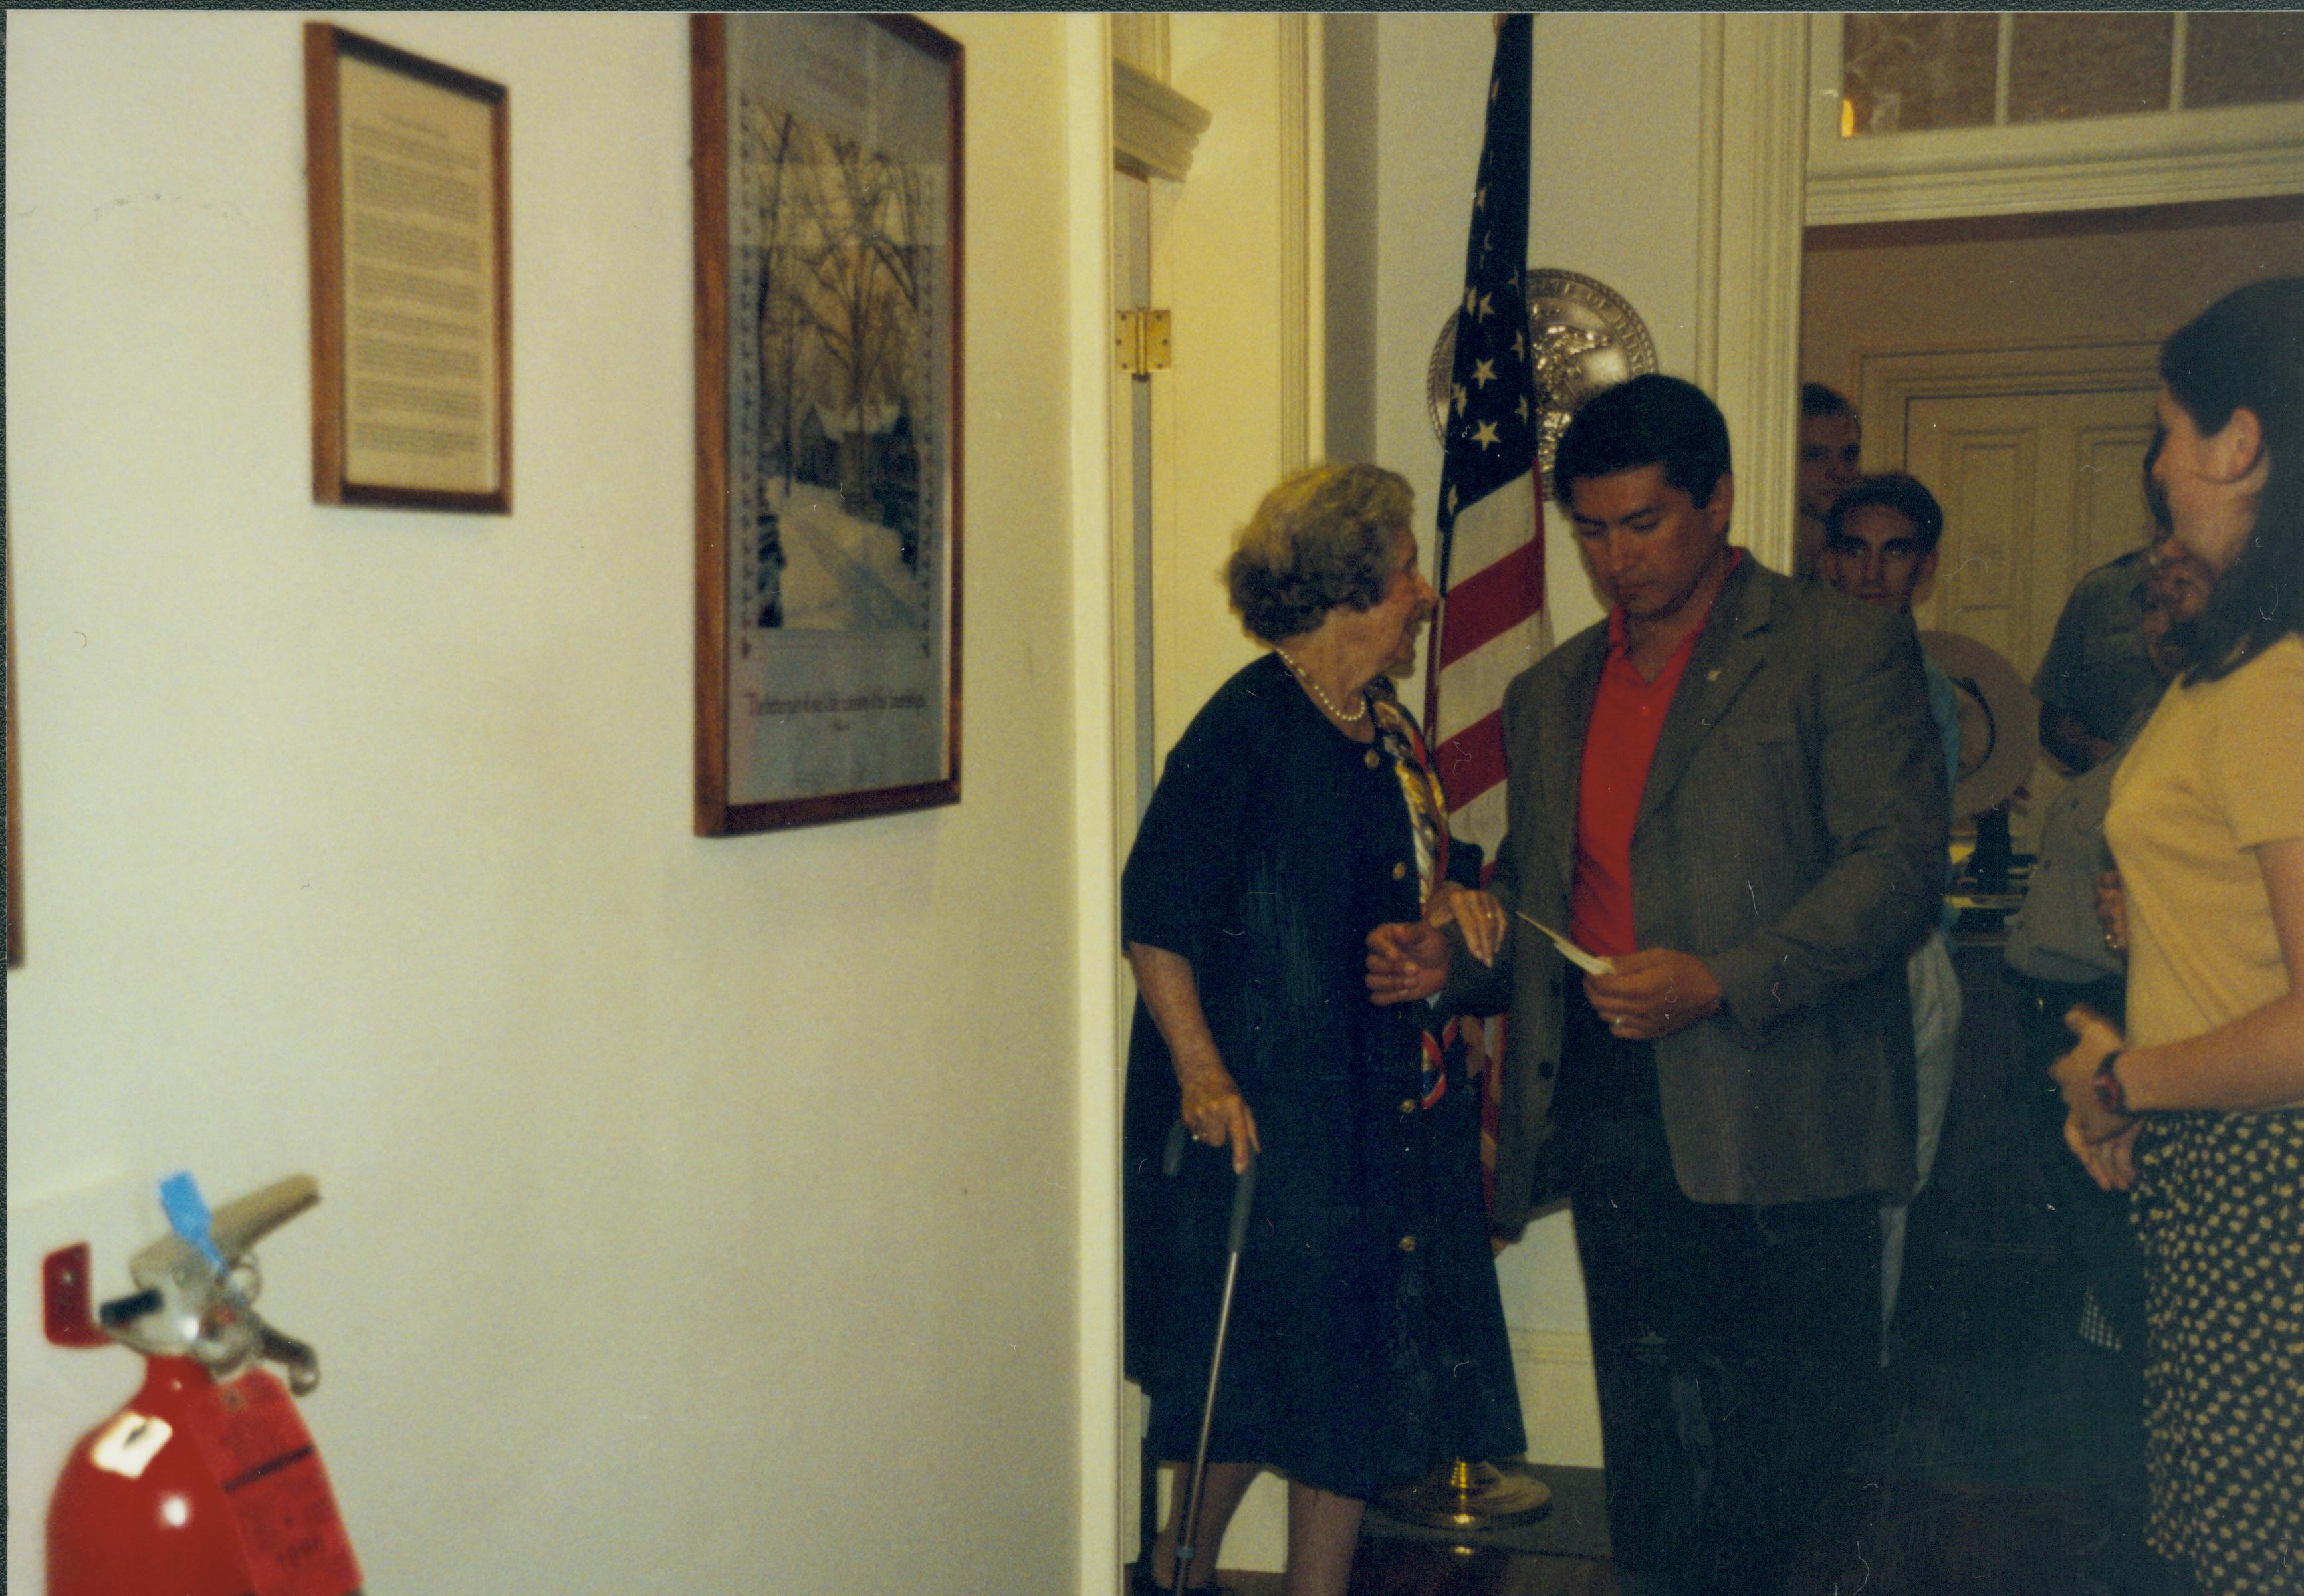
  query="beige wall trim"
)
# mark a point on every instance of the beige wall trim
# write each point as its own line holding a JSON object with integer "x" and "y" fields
{"x": 1755, "y": 71}
{"x": 1888, "y": 381}
{"x": 1140, "y": 38}
{"x": 1303, "y": 375}
{"x": 1106, "y": 1524}
{"x": 1153, "y": 129}
{"x": 1917, "y": 190}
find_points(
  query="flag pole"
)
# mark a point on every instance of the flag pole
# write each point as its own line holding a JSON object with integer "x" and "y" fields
{"x": 1489, "y": 570}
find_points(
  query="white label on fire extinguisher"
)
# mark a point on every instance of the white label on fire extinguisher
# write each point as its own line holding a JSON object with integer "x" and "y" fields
{"x": 130, "y": 1443}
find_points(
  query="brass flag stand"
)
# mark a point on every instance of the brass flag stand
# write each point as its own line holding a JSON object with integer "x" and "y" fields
{"x": 1465, "y": 1494}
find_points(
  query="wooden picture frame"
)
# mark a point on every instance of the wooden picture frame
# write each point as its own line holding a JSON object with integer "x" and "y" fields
{"x": 829, "y": 226}
{"x": 15, "y": 840}
{"x": 406, "y": 164}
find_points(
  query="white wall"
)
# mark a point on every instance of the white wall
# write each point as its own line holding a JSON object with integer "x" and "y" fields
{"x": 1613, "y": 195}
{"x": 698, "y": 1215}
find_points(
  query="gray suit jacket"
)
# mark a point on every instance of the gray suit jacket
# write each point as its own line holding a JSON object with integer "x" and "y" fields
{"x": 1791, "y": 835}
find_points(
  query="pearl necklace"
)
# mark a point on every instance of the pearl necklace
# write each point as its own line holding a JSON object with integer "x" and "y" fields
{"x": 1312, "y": 687}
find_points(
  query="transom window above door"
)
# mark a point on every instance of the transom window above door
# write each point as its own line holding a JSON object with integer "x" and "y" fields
{"x": 1916, "y": 114}
{"x": 1904, "y": 71}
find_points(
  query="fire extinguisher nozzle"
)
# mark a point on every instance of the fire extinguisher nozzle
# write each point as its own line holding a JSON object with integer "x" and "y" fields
{"x": 127, "y": 1310}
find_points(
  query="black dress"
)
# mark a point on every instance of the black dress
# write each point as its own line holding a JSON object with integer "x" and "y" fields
{"x": 1368, "y": 1338}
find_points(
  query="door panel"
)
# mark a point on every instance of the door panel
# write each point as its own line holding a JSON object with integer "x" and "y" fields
{"x": 2111, "y": 474}
{"x": 1986, "y": 477}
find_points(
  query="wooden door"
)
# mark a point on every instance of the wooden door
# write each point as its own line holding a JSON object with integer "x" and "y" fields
{"x": 2038, "y": 489}
{"x": 2036, "y": 457}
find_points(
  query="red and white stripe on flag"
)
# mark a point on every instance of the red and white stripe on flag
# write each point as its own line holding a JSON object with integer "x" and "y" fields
{"x": 1495, "y": 627}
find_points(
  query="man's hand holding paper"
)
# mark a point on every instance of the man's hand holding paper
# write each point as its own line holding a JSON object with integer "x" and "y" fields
{"x": 1653, "y": 993}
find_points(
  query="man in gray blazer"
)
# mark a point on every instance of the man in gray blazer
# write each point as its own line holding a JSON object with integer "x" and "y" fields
{"x": 1731, "y": 790}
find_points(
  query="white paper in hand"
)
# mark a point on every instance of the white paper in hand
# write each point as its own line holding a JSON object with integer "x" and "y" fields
{"x": 1591, "y": 964}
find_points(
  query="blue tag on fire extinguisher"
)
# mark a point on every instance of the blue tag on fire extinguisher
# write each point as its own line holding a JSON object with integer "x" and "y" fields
{"x": 188, "y": 1215}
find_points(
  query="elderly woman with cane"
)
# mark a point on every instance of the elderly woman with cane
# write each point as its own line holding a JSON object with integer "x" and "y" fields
{"x": 2199, "y": 1108}
{"x": 1297, "y": 813}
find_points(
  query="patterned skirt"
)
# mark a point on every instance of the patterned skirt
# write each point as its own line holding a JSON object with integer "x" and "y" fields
{"x": 2219, "y": 1213}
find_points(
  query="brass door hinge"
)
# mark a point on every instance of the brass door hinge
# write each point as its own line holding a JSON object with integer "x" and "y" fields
{"x": 1143, "y": 342}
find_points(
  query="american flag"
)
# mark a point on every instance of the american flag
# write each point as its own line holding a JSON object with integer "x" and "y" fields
{"x": 1490, "y": 575}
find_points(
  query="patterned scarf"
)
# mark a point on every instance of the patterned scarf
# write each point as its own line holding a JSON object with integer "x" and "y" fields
{"x": 1427, "y": 821}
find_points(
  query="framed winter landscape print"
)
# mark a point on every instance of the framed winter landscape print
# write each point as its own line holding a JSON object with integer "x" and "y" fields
{"x": 828, "y": 164}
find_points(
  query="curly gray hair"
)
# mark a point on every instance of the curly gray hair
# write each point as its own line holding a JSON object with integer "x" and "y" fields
{"x": 1326, "y": 536}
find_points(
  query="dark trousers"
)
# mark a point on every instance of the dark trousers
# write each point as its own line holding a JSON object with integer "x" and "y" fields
{"x": 1731, "y": 1343}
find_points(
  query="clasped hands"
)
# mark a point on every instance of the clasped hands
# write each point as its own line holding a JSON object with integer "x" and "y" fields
{"x": 1652, "y": 993}
{"x": 2104, "y": 1141}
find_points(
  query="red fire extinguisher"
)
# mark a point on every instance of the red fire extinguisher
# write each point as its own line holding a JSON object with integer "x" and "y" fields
{"x": 206, "y": 1483}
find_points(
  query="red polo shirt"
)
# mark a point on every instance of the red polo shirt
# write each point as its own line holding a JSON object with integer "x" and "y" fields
{"x": 1619, "y": 745}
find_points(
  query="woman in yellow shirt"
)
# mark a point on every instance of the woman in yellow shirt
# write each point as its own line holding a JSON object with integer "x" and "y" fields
{"x": 2199, "y": 1109}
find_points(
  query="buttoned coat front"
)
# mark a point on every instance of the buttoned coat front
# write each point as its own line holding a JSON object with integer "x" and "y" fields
{"x": 1791, "y": 835}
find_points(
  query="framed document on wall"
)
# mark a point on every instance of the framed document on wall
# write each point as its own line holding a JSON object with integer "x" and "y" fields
{"x": 412, "y": 295}
{"x": 828, "y": 207}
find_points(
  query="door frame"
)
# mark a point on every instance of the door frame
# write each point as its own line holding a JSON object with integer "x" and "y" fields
{"x": 1887, "y": 382}
{"x": 1749, "y": 234}
{"x": 1758, "y": 96}
{"x": 1890, "y": 382}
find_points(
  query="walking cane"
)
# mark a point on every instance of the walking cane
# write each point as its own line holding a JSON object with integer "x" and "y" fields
{"x": 1243, "y": 1194}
